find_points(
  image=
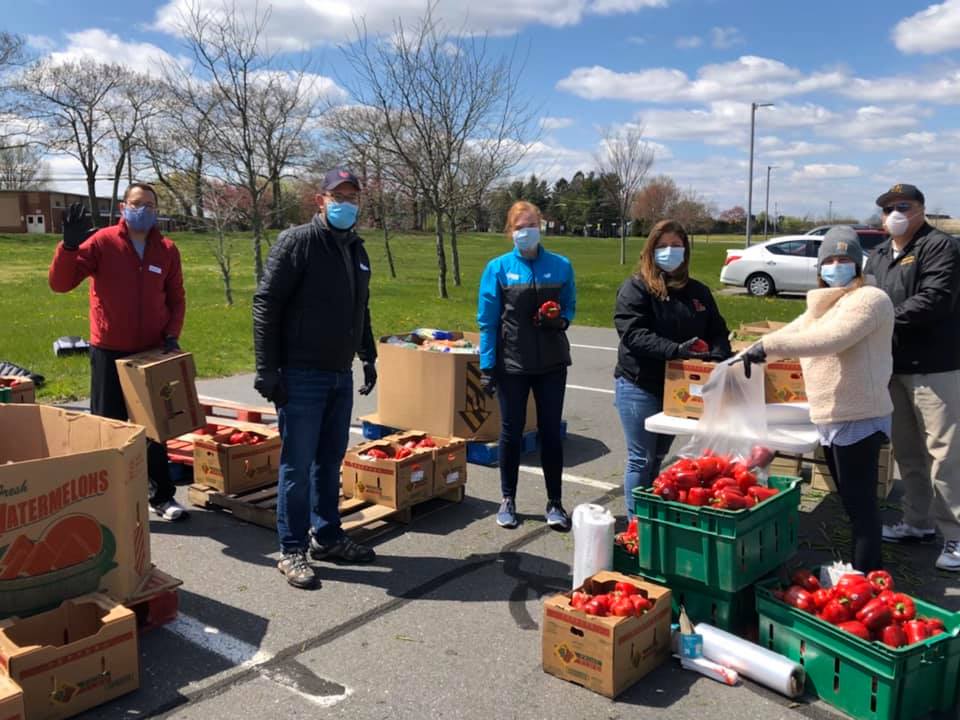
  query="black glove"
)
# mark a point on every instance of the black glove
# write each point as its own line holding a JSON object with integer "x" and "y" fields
{"x": 753, "y": 355}
{"x": 76, "y": 226}
{"x": 488, "y": 381}
{"x": 269, "y": 383}
{"x": 369, "y": 378}
{"x": 685, "y": 353}
{"x": 170, "y": 345}
{"x": 557, "y": 323}
{"x": 720, "y": 354}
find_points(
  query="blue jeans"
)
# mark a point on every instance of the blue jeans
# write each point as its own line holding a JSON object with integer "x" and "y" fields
{"x": 315, "y": 430}
{"x": 645, "y": 450}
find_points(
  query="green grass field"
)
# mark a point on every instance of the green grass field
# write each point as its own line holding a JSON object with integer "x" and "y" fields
{"x": 220, "y": 335}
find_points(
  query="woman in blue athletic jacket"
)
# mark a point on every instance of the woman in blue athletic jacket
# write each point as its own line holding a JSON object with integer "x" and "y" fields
{"x": 661, "y": 314}
{"x": 527, "y": 301}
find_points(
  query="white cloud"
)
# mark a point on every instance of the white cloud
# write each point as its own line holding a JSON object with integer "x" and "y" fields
{"x": 725, "y": 37}
{"x": 313, "y": 86}
{"x": 747, "y": 78}
{"x": 943, "y": 88}
{"x": 41, "y": 42}
{"x": 556, "y": 123}
{"x": 930, "y": 31}
{"x": 688, "y": 42}
{"x": 826, "y": 171}
{"x": 725, "y": 122}
{"x": 101, "y": 46}
{"x": 800, "y": 148}
{"x": 552, "y": 161}
{"x": 297, "y": 25}
{"x": 914, "y": 141}
{"x": 873, "y": 121}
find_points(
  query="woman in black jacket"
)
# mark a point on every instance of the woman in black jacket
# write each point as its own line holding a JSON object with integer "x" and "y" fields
{"x": 661, "y": 315}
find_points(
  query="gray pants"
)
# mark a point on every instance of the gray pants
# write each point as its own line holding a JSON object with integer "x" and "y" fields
{"x": 926, "y": 444}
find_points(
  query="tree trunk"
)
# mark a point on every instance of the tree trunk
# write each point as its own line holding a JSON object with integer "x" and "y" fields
{"x": 441, "y": 260}
{"x": 117, "y": 172}
{"x": 623, "y": 243}
{"x": 92, "y": 199}
{"x": 454, "y": 251}
{"x": 256, "y": 223}
{"x": 277, "y": 204}
{"x": 386, "y": 235}
{"x": 129, "y": 166}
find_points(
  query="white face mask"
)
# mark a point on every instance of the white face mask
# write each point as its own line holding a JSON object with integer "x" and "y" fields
{"x": 897, "y": 223}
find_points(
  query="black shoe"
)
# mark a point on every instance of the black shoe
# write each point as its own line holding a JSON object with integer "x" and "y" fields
{"x": 344, "y": 550}
{"x": 297, "y": 570}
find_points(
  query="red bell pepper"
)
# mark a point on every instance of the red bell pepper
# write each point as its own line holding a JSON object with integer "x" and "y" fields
{"x": 729, "y": 498}
{"x": 855, "y": 627}
{"x": 687, "y": 479}
{"x": 377, "y": 453}
{"x": 876, "y": 614}
{"x": 886, "y": 595}
{"x": 805, "y": 579}
{"x": 881, "y": 580}
{"x": 700, "y": 346}
{"x": 579, "y": 599}
{"x": 850, "y": 579}
{"x": 760, "y": 493}
{"x": 935, "y": 626}
{"x": 760, "y": 457}
{"x": 723, "y": 482}
{"x": 402, "y": 453}
{"x": 821, "y": 597}
{"x": 916, "y": 631}
{"x": 797, "y": 597}
{"x": 749, "y": 501}
{"x": 699, "y": 496}
{"x": 595, "y": 607}
{"x": 625, "y": 588}
{"x": 836, "y": 612}
{"x": 550, "y": 309}
{"x": 745, "y": 480}
{"x": 856, "y": 595}
{"x": 641, "y": 604}
{"x": 902, "y": 607}
{"x": 709, "y": 468}
{"x": 894, "y": 636}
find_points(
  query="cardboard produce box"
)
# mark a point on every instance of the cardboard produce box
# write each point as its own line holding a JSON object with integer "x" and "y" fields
{"x": 236, "y": 468}
{"x": 449, "y": 456}
{"x": 821, "y": 479}
{"x": 437, "y": 392}
{"x": 22, "y": 390}
{"x": 683, "y": 387}
{"x": 11, "y": 700}
{"x": 73, "y": 658}
{"x": 760, "y": 327}
{"x": 783, "y": 382}
{"x": 606, "y": 654}
{"x": 73, "y": 507}
{"x": 394, "y": 483}
{"x": 160, "y": 392}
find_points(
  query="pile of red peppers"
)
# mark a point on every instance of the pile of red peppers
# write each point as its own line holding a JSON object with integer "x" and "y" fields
{"x": 718, "y": 481}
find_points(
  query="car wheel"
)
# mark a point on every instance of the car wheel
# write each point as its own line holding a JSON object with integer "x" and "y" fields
{"x": 760, "y": 285}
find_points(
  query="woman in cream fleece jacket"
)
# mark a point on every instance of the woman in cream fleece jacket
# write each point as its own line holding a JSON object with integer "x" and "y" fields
{"x": 844, "y": 342}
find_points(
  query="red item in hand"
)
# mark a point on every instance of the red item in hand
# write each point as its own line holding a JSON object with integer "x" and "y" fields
{"x": 700, "y": 346}
{"x": 550, "y": 310}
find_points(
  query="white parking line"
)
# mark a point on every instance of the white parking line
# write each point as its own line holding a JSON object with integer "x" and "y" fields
{"x": 605, "y": 391}
{"x": 567, "y": 477}
{"x": 593, "y": 347}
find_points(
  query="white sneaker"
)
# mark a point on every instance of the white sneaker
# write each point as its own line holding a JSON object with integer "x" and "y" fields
{"x": 903, "y": 533}
{"x": 170, "y": 510}
{"x": 950, "y": 557}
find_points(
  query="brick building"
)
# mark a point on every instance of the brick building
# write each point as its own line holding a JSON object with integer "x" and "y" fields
{"x": 41, "y": 211}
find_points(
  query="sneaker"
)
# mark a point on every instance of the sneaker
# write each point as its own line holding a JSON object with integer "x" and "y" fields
{"x": 903, "y": 533}
{"x": 556, "y": 516}
{"x": 344, "y": 550}
{"x": 297, "y": 570}
{"x": 170, "y": 510}
{"x": 507, "y": 515}
{"x": 950, "y": 557}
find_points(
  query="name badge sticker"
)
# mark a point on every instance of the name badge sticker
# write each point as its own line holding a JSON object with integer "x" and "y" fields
{"x": 154, "y": 269}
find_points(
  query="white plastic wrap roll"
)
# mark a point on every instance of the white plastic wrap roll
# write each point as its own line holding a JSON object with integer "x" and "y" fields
{"x": 750, "y": 660}
{"x": 592, "y": 541}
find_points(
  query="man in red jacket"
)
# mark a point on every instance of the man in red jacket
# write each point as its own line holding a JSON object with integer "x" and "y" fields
{"x": 137, "y": 303}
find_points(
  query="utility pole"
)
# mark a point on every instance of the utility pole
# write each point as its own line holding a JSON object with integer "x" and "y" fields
{"x": 753, "y": 125}
{"x": 830, "y": 212}
{"x": 766, "y": 207}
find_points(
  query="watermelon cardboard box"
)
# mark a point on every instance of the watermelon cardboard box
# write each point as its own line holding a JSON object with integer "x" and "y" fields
{"x": 73, "y": 508}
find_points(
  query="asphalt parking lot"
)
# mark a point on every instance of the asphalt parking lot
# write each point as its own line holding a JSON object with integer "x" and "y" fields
{"x": 446, "y": 624}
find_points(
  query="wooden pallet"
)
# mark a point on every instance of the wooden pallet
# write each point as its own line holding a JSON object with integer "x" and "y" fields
{"x": 238, "y": 411}
{"x": 357, "y": 516}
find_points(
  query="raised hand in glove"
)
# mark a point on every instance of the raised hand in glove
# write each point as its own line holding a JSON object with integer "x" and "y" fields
{"x": 693, "y": 349}
{"x": 753, "y": 355}
{"x": 170, "y": 345}
{"x": 488, "y": 382}
{"x": 369, "y": 378}
{"x": 269, "y": 383}
{"x": 76, "y": 226}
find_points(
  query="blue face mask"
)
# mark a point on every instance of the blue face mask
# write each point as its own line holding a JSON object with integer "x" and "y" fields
{"x": 526, "y": 238}
{"x": 140, "y": 219}
{"x": 669, "y": 259}
{"x": 341, "y": 215}
{"x": 838, "y": 274}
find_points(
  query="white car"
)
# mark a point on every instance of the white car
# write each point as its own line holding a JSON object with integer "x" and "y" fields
{"x": 783, "y": 264}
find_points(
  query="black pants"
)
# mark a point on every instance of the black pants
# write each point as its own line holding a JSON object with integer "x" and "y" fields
{"x": 512, "y": 392}
{"x": 106, "y": 400}
{"x": 855, "y": 471}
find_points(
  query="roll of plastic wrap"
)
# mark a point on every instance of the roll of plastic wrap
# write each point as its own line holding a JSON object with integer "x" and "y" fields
{"x": 592, "y": 541}
{"x": 750, "y": 660}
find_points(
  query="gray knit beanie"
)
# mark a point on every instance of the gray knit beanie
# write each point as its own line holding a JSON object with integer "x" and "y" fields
{"x": 841, "y": 241}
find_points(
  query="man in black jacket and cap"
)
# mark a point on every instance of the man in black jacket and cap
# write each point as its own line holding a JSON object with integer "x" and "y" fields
{"x": 310, "y": 318}
{"x": 919, "y": 267}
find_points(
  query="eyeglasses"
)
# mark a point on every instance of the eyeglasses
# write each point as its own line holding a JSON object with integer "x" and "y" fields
{"x": 899, "y": 207}
{"x": 337, "y": 197}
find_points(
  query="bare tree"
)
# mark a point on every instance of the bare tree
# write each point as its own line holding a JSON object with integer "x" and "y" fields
{"x": 436, "y": 91}
{"x": 227, "y": 49}
{"x": 624, "y": 162}
{"x": 15, "y": 131}
{"x": 71, "y": 100}
{"x": 22, "y": 168}
{"x": 226, "y": 208}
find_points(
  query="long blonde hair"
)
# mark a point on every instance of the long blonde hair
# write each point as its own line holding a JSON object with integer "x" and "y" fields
{"x": 656, "y": 280}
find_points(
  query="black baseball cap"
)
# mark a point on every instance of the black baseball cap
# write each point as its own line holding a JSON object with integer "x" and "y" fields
{"x": 901, "y": 191}
{"x": 337, "y": 177}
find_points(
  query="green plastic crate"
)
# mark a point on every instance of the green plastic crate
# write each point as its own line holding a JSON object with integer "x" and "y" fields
{"x": 719, "y": 549}
{"x": 624, "y": 562}
{"x": 735, "y": 612}
{"x": 866, "y": 680}
{"x": 6, "y": 395}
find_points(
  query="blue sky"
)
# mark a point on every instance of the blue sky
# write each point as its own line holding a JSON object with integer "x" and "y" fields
{"x": 866, "y": 93}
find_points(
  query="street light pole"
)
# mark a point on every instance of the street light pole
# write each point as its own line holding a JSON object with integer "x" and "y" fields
{"x": 753, "y": 125}
{"x": 766, "y": 207}
{"x": 830, "y": 212}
